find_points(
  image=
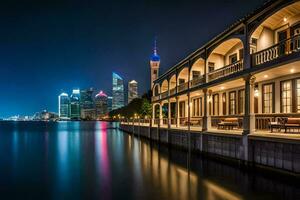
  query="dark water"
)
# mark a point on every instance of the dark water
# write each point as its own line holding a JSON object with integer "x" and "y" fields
{"x": 87, "y": 160}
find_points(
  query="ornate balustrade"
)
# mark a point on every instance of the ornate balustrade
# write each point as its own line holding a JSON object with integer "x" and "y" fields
{"x": 155, "y": 98}
{"x": 172, "y": 91}
{"x": 197, "y": 81}
{"x": 183, "y": 87}
{"x": 215, "y": 120}
{"x": 164, "y": 94}
{"x": 281, "y": 49}
{"x": 225, "y": 71}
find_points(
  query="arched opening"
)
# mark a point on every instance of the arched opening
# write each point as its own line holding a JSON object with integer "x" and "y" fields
{"x": 156, "y": 90}
{"x": 277, "y": 36}
{"x": 156, "y": 111}
{"x": 164, "y": 86}
{"x": 225, "y": 59}
{"x": 182, "y": 80}
{"x": 197, "y": 72}
{"x": 172, "y": 83}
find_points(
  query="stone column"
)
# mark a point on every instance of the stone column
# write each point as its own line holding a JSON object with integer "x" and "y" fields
{"x": 189, "y": 110}
{"x": 153, "y": 115}
{"x": 206, "y": 118}
{"x": 169, "y": 114}
{"x": 160, "y": 114}
{"x": 177, "y": 112}
{"x": 249, "y": 117}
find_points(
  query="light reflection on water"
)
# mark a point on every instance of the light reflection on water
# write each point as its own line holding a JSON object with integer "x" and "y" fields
{"x": 88, "y": 160}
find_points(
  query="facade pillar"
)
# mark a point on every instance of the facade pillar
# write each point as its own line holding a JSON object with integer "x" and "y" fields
{"x": 249, "y": 117}
{"x": 160, "y": 114}
{"x": 189, "y": 111}
{"x": 169, "y": 114}
{"x": 153, "y": 115}
{"x": 206, "y": 117}
{"x": 177, "y": 112}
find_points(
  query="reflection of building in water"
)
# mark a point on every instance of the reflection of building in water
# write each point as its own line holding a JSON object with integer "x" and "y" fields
{"x": 215, "y": 192}
{"x": 173, "y": 180}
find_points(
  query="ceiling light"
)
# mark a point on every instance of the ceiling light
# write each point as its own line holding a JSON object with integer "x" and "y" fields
{"x": 222, "y": 88}
{"x": 292, "y": 70}
{"x": 284, "y": 19}
{"x": 266, "y": 76}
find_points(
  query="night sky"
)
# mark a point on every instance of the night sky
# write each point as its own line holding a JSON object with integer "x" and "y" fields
{"x": 50, "y": 46}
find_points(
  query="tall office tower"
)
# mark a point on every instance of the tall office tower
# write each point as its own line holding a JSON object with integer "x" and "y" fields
{"x": 132, "y": 90}
{"x": 63, "y": 106}
{"x": 117, "y": 91}
{"x": 87, "y": 106}
{"x": 109, "y": 103}
{"x": 101, "y": 105}
{"x": 154, "y": 64}
{"x": 75, "y": 105}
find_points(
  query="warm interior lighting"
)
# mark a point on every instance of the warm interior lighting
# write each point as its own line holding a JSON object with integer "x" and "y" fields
{"x": 256, "y": 92}
{"x": 284, "y": 19}
{"x": 266, "y": 76}
{"x": 222, "y": 88}
{"x": 292, "y": 70}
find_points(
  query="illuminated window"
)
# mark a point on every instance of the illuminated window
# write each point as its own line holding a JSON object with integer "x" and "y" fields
{"x": 286, "y": 97}
{"x": 197, "y": 107}
{"x": 182, "y": 109}
{"x": 241, "y": 101}
{"x": 216, "y": 104}
{"x": 298, "y": 95}
{"x": 232, "y": 103}
{"x": 268, "y": 98}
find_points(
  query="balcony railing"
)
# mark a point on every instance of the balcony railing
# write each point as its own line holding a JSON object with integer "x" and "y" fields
{"x": 217, "y": 120}
{"x": 173, "y": 91}
{"x": 183, "y": 86}
{"x": 155, "y": 98}
{"x": 281, "y": 49}
{"x": 164, "y": 94}
{"x": 197, "y": 81}
{"x": 225, "y": 71}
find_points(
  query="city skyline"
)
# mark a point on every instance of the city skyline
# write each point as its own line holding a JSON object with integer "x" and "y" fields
{"x": 72, "y": 46}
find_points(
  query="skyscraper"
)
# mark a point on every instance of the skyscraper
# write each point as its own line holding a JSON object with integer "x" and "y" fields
{"x": 63, "y": 106}
{"x": 75, "y": 105}
{"x": 132, "y": 90}
{"x": 109, "y": 103}
{"x": 154, "y": 64}
{"x": 101, "y": 105}
{"x": 117, "y": 91}
{"x": 87, "y": 108}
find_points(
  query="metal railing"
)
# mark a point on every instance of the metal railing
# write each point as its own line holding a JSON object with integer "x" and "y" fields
{"x": 225, "y": 71}
{"x": 197, "y": 81}
{"x": 281, "y": 49}
{"x": 183, "y": 87}
{"x": 172, "y": 91}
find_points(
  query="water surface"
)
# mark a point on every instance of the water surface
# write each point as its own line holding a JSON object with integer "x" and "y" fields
{"x": 90, "y": 160}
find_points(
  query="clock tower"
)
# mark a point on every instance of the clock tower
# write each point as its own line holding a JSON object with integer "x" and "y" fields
{"x": 154, "y": 64}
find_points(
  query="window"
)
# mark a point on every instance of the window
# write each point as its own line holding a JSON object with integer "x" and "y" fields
{"x": 216, "y": 104}
{"x": 182, "y": 109}
{"x": 267, "y": 98}
{"x": 232, "y": 103}
{"x": 298, "y": 95}
{"x": 241, "y": 101}
{"x": 224, "y": 102}
{"x": 286, "y": 96}
{"x": 196, "y": 74}
{"x": 211, "y": 66}
{"x": 197, "y": 107}
{"x": 232, "y": 58}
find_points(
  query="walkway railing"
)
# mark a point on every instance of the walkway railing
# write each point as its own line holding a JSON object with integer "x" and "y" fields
{"x": 155, "y": 98}
{"x": 183, "y": 86}
{"x": 281, "y": 49}
{"x": 262, "y": 121}
{"x": 197, "y": 81}
{"x": 225, "y": 71}
{"x": 172, "y": 91}
{"x": 164, "y": 94}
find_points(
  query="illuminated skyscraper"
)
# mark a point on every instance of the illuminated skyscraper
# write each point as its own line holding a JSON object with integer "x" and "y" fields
{"x": 117, "y": 91}
{"x": 87, "y": 108}
{"x": 101, "y": 104}
{"x": 63, "y": 106}
{"x": 109, "y": 103}
{"x": 132, "y": 90}
{"x": 75, "y": 105}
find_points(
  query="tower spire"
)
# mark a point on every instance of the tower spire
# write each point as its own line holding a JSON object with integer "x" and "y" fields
{"x": 155, "y": 46}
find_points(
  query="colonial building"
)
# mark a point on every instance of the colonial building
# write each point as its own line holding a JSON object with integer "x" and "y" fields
{"x": 244, "y": 80}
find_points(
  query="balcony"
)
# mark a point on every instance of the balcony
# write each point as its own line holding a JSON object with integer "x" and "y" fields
{"x": 281, "y": 49}
{"x": 183, "y": 87}
{"x": 155, "y": 98}
{"x": 197, "y": 81}
{"x": 164, "y": 94}
{"x": 173, "y": 91}
{"x": 226, "y": 71}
